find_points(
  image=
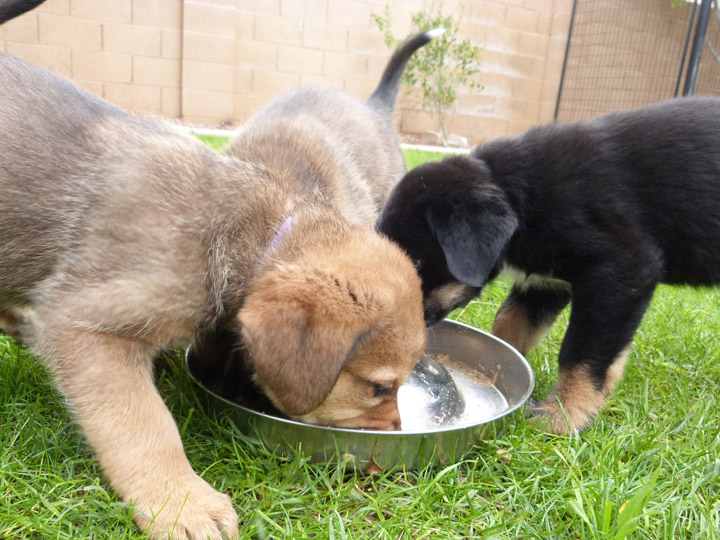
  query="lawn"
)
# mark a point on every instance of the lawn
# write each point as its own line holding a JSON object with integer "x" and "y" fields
{"x": 649, "y": 467}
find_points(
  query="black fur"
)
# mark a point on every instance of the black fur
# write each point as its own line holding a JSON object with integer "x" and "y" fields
{"x": 9, "y": 9}
{"x": 612, "y": 207}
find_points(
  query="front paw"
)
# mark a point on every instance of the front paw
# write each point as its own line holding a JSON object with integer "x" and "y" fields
{"x": 18, "y": 324}
{"x": 560, "y": 417}
{"x": 192, "y": 510}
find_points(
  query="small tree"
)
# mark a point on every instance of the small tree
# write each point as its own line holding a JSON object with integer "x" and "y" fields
{"x": 442, "y": 65}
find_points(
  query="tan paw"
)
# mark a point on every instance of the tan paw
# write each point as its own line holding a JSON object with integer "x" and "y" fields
{"x": 194, "y": 511}
{"x": 555, "y": 417}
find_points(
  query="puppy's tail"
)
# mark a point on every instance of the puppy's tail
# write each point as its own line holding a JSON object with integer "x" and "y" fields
{"x": 383, "y": 98}
{"x": 9, "y": 9}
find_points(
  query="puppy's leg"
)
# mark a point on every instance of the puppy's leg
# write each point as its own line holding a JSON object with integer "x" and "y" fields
{"x": 18, "y": 324}
{"x": 603, "y": 321}
{"x": 528, "y": 313}
{"x": 108, "y": 382}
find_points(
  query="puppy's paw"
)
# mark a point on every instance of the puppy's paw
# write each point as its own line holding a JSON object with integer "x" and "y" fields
{"x": 192, "y": 511}
{"x": 18, "y": 324}
{"x": 557, "y": 417}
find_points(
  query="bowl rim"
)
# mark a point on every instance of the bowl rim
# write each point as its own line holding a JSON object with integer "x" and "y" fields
{"x": 355, "y": 431}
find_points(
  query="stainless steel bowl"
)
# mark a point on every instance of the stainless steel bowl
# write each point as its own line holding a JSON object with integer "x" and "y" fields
{"x": 442, "y": 419}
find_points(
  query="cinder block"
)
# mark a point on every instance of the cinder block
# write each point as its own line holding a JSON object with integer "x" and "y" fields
{"x": 279, "y": 30}
{"x": 208, "y": 47}
{"x": 209, "y": 18}
{"x": 490, "y": 128}
{"x": 328, "y": 37}
{"x": 527, "y": 89}
{"x": 502, "y": 39}
{"x": 246, "y": 106}
{"x": 265, "y": 7}
{"x": 488, "y": 13}
{"x": 300, "y": 60}
{"x": 118, "y": 11}
{"x": 270, "y": 84}
{"x": 375, "y": 66}
{"x": 345, "y": 65}
{"x": 101, "y": 66}
{"x": 307, "y": 10}
{"x": 542, "y": 6}
{"x": 546, "y": 111}
{"x": 512, "y": 109}
{"x": 544, "y": 23}
{"x": 243, "y": 80}
{"x": 96, "y": 88}
{"x": 462, "y": 125}
{"x": 496, "y": 84}
{"x": 360, "y": 88}
{"x": 207, "y": 107}
{"x": 320, "y": 80}
{"x": 556, "y": 47}
{"x": 351, "y": 13}
{"x": 417, "y": 121}
{"x": 207, "y": 76}
{"x": 24, "y": 29}
{"x": 69, "y": 31}
{"x": 521, "y": 18}
{"x": 56, "y": 59}
{"x": 136, "y": 98}
{"x": 560, "y": 25}
{"x": 244, "y": 25}
{"x": 368, "y": 42}
{"x": 157, "y": 13}
{"x": 57, "y": 7}
{"x": 518, "y": 64}
{"x": 171, "y": 43}
{"x": 257, "y": 54}
{"x": 475, "y": 32}
{"x": 538, "y": 68}
{"x": 533, "y": 44}
{"x": 476, "y": 104}
{"x": 132, "y": 39}
{"x": 170, "y": 106}
{"x": 156, "y": 71}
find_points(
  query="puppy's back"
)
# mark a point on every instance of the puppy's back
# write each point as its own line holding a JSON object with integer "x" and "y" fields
{"x": 328, "y": 140}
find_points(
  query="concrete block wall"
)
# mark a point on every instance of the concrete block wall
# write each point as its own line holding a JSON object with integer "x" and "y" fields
{"x": 216, "y": 62}
{"x": 127, "y": 51}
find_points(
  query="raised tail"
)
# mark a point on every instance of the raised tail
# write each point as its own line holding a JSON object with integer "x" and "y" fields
{"x": 383, "y": 98}
{"x": 9, "y": 9}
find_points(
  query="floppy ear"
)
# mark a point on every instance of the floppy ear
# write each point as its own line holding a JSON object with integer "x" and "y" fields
{"x": 472, "y": 236}
{"x": 300, "y": 328}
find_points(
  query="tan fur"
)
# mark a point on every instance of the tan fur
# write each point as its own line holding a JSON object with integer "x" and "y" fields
{"x": 512, "y": 326}
{"x": 120, "y": 237}
{"x": 575, "y": 400}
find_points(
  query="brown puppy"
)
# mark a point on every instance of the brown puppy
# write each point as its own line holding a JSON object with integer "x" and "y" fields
{"x": 328, "y": 162}
{"x": 120, "y": 237}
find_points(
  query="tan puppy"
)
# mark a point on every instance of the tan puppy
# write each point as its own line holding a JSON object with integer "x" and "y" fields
{"x": 120, "y": 237}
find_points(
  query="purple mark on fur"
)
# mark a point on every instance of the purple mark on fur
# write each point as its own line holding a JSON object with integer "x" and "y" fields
{"x": 285, "y": 227}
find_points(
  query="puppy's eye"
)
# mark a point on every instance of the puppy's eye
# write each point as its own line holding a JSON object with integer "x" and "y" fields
{"x": 380, "y": 390}
{"x": 417, "y": 263}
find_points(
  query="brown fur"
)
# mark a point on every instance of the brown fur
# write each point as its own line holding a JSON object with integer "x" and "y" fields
{"x": 576, "y": 400}
{"x": 120, "y": 237}
{"x": 513, "y": 326}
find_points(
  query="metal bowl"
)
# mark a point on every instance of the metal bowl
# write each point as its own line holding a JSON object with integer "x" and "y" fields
{"x": 442, "y": 418}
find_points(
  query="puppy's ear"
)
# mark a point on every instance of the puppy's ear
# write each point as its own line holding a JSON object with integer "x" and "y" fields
{"x": 300, "y": 328}
{"x": 472, "y": 236}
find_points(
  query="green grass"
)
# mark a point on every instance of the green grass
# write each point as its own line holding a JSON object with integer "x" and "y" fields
{"x": 648, "y": 468}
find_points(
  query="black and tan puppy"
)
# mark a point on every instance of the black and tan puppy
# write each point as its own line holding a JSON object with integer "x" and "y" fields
{"x": 596, "y": 212}
{"x": 120, "y": 237}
